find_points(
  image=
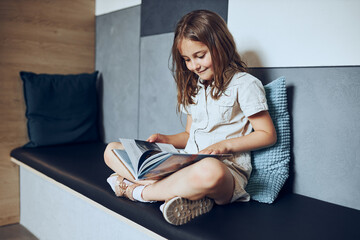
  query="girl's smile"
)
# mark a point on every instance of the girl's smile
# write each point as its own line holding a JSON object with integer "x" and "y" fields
{"x": 197, "y": 58}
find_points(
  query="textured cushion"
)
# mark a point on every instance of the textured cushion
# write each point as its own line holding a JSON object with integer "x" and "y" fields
{"x": 271, "y": 165}
{"x": 60, "y": 108}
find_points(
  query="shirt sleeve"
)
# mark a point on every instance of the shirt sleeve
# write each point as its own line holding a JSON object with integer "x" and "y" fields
{"x": 252, "y": 97}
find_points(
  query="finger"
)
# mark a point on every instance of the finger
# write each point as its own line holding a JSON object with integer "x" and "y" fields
{"x": 215, "y": 152}
{"x": 152, "y": 138}
{"x": 205, "y": 151}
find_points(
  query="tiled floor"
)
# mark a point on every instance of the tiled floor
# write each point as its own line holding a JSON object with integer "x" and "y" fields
{"x": 15, "y": 232}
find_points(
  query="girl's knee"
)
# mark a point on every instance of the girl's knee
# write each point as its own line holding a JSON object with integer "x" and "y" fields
{"x": 208, "y": 173}
{"x": 108, "y": 154}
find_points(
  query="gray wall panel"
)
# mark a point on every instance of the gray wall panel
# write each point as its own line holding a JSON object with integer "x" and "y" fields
{"x": 117, "y": 58}
{"x": 157, "y": 88}
{"x": 161, "y": 16}
{"x": 324, "y": 106}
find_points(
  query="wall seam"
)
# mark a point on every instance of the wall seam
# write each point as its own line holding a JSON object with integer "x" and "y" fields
{"x": 139, "y": 88}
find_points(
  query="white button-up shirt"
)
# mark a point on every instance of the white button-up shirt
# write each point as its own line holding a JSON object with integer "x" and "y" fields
{"x": 227, "y": 117}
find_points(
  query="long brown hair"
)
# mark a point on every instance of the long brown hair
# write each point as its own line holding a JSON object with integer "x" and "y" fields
{"x": 210, "y": 29}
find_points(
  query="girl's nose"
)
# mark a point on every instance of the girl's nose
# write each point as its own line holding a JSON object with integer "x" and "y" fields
{"x": 195, "y": 65}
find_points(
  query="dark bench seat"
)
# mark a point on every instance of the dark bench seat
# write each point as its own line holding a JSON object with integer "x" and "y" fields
{"x": 291, "y": 216}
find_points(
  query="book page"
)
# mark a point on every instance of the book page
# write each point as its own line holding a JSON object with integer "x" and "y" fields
{"x": 135, "y": 148}
{"x": 132, "y": 150}
{"x": 172, "y": 162}
{"x": 124, "y": 158}
{"x": 151, "y": 161}
{"x": 167, "y": 147}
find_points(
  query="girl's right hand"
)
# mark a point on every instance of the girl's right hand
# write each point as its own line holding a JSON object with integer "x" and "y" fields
{"x": 157, "y": 137}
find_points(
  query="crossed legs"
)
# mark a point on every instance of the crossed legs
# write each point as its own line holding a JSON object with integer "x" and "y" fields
{"x": 206, "y": 178}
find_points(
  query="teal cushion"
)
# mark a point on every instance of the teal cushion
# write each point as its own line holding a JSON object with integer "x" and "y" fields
{"x": 271, "y": 165}
{"x": 60, "y": 108}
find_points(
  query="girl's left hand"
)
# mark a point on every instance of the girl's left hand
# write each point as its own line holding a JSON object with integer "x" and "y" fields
{"x": 217, "y": 148}
{"x": 157, "y": 137}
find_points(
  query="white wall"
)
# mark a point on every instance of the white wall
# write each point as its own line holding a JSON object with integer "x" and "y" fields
{"x": 289, "y": 33}
{"x": 107, "y": 6}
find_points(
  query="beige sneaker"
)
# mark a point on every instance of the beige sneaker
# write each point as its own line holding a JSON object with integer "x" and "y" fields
{"x": 178, "y": 211}
{"x": 120, "y": 187}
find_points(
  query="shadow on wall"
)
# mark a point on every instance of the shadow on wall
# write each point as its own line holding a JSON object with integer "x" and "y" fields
{"x": 100, "y": 90}
{"x": 264, "y": 74}
{"x": 251, "y": 58}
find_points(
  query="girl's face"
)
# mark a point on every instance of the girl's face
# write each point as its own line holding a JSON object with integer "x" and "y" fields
{"x": 197, "y": 58}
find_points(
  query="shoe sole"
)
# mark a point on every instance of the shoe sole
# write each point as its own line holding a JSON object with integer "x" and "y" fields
{"x": 178, "y": 211}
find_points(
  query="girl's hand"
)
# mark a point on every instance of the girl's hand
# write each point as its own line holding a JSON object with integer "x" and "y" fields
{"x": 217, "y": 148}
{"x": 157, "y": 137}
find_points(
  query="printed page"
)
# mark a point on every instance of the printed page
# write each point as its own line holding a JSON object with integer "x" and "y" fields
{"x": 167, "y": 147}
{"x": 170, "y": 163}
{"x": 152, "y": 160}
{"x": 135, "y": 148}
{"x": 132, "y": 150}
{"x": 124, "y": 158}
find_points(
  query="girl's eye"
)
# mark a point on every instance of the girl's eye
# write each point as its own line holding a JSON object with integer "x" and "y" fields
{"x": 202, "y": 56}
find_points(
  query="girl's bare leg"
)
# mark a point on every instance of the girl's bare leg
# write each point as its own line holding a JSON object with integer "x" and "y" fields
{"x": 206, "y": 178}
{"x": 114, "y": 163}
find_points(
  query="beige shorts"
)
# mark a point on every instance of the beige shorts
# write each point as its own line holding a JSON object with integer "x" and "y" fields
{"x": 240, "y": 180}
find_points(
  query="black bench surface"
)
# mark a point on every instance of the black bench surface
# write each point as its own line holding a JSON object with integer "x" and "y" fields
{"x": 291, "y": 216}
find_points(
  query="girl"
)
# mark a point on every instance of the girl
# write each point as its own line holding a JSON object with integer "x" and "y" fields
{"x": 226, "y": 113}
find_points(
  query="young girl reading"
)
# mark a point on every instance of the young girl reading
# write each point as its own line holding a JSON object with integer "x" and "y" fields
{"x": 226, "y": 113}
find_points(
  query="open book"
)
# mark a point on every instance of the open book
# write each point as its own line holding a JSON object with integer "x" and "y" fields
{"x": 145, "y": 160}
